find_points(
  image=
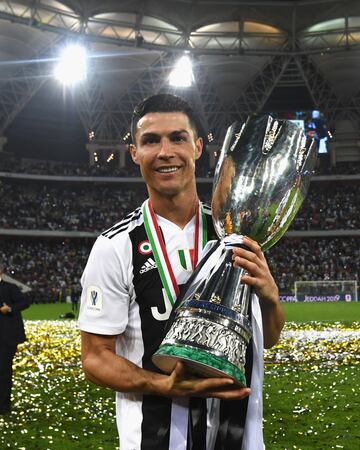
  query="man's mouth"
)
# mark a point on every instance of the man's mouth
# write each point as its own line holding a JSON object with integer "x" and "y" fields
{"x": 169, "y": 169}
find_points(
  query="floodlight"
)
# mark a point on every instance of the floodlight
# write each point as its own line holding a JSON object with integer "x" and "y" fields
{"x": 71, "y": 67}
{"x": 182, "y": 74}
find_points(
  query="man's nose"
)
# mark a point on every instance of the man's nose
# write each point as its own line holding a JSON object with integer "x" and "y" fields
{"x": 165, "y": 148}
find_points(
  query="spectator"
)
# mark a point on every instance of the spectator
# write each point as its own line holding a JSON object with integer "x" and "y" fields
{"x": 12, "y": 333}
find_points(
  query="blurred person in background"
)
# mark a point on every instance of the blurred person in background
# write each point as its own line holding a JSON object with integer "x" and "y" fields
{"x": 12, "y": 333}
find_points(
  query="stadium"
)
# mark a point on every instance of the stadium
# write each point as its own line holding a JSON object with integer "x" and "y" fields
{"x": 71, "y": 73}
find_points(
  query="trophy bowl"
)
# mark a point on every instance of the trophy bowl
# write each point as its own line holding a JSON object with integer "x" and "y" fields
{"x": 260, "y": 182}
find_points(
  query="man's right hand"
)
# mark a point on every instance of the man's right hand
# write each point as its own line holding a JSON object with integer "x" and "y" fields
{"x": 103, "y": 367}
{"x": 181, "y": 384}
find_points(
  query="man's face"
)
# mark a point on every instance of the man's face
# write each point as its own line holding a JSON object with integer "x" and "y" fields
{"x": 166, "y": 149}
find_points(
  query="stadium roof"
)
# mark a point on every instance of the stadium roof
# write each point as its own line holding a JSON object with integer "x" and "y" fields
{"x": 249, "y": 56}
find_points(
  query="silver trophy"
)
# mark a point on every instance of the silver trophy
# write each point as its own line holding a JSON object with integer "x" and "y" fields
{"x": 261, "y": 179}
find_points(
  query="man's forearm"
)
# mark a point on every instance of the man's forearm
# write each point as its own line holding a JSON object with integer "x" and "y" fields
{"x": 273, "y": 319}
{"x": 109, "y": 370}
{"x": 121, "y": 375}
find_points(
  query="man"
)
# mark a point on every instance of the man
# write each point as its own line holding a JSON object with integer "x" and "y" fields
{"x": 133, "y": 275}
{"x": 12, "y": 333}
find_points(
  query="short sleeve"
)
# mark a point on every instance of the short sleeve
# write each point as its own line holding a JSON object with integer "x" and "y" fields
{"x": 106, "y": 287}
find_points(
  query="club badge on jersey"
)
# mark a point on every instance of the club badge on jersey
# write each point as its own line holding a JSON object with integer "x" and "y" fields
{"x": 186, "y": 258}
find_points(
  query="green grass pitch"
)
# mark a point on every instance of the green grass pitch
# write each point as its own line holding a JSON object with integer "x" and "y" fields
{"x": 311, "y": 394}
{"x": 294, "y": 312}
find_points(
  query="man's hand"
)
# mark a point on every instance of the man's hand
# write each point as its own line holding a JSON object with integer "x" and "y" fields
{"x": 181, "y": 384}
{"x": 5, "y": 309}
{"x": 103, "y": 367}
{"x": 259, "y": 276}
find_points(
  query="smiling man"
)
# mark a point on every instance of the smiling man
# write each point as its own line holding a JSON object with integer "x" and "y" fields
{"x": 134, "y": 274}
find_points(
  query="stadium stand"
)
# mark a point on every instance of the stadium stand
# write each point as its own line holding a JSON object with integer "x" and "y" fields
{"x": 34, "y": 210}
{"x": 49, "y": 266}
{"x": 42, "y": 167}
{"x": 258, "y": 70}
{"x": 94, "y": 207}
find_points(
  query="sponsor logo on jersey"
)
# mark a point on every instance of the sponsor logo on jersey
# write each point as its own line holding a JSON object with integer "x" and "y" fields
{"x": 148, "y": 265}
{"x": 94, "y": 299}
{"x": 144, "y": 248}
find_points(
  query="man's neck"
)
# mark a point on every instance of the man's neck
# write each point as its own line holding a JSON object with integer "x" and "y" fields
{"x": 178, "y": 209}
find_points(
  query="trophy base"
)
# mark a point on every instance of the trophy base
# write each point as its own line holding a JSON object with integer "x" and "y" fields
{"x": 197, "y": 361}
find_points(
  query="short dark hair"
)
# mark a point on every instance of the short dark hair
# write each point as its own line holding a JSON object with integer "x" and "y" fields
{"x": 163, "y": 103}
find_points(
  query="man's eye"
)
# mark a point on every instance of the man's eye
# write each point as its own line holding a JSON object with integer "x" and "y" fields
{"x": 178, "y": 138}
{"x": 149, "y": 141}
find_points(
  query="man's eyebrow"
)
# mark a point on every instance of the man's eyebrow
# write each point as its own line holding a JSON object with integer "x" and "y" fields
{"x": 179, "y": 131}
{"x": 149, "y": 134}
{"x": 153, "y": 134}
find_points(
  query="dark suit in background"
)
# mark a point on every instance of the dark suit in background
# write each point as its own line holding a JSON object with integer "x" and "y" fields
{"x": 12, "y": 333}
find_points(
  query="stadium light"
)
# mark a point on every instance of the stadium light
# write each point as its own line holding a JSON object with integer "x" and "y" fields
{"x": 182, "y": 74}
{"x": 71, "y": 67}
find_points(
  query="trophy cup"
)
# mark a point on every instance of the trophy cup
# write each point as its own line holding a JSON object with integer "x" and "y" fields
{"x": 260, "y": 182}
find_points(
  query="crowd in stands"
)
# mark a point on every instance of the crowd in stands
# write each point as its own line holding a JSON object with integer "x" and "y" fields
{"x": 39, "y": 167}
{"x": 314, "y": 259}
{"x": 341, "y": 168}
{"x": 65, "y": 208}
{"x": 329, "y": 207}
{"x": 95, "y": 207}
{"x": 52, "y": 267}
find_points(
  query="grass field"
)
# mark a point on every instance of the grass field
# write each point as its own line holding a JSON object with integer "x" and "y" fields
{"x": 325, "y": 312}
{"x": 311, "y": 395}
{"x": 52, "y": 311}
{"x": 295, "y": 312}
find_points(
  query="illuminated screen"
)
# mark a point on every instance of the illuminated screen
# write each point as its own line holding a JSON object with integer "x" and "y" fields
{"x": 299, "y": 123}
{"x": 314, "y": 125}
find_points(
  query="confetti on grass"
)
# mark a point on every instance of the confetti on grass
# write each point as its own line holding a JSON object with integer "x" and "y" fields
{"x": 311, "y": 395}
{"x": 321, "y": 344}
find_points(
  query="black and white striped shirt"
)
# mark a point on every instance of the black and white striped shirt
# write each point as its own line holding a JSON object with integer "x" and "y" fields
{"x": 123, "y": 296}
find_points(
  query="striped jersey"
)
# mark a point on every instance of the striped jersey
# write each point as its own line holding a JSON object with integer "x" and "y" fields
{"x": 123, "y": 295}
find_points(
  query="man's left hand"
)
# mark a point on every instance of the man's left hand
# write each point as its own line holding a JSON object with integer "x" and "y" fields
{"x": 258, "y": 272}
{"x": 258, "y": 275}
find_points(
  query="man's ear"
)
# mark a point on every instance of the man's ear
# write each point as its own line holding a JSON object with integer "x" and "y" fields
{"x": 198, "y": 147}
{"x": 133, "y": 153}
